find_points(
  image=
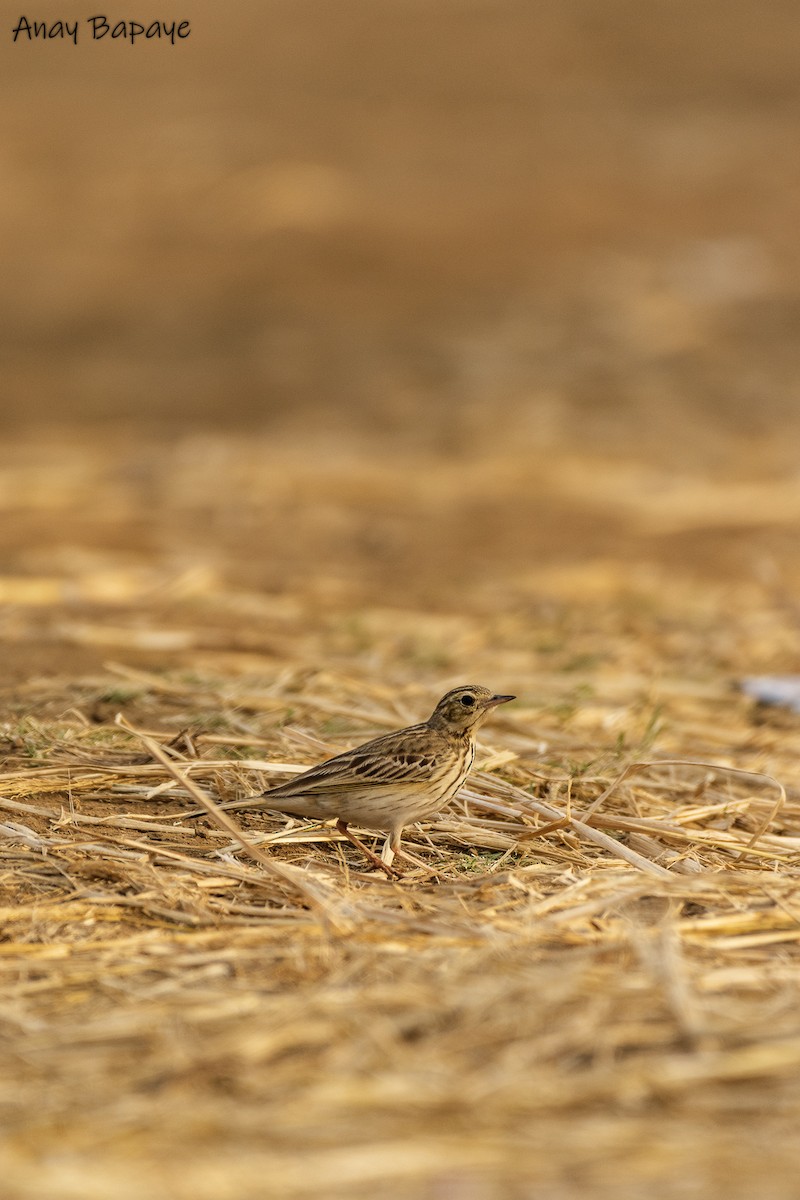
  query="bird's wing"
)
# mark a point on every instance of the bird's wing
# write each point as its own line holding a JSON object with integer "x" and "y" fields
{"x": 406, "y": 757}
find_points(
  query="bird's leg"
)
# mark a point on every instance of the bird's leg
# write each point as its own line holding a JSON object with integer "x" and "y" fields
{"x": 391, "y": 871}
{"x": 392, "y": 850}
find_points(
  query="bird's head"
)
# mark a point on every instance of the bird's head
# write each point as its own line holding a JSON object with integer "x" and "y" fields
{"x": 464, "y": 708}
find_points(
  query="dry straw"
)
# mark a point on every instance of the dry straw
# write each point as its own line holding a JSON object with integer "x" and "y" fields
{"x": 215, "y": 1003}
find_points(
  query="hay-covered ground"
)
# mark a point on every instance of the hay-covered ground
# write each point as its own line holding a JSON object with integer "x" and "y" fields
{"x": 589, "y": 984}
{"x": 414, "y": 344}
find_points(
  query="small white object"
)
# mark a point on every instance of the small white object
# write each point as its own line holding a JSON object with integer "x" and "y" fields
{"x": 774, "y": 689}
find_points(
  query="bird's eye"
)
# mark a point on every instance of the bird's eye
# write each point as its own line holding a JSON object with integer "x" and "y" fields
{"x": 468, "y": 701}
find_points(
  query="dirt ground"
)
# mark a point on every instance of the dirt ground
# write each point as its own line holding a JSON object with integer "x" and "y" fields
{"x": 353, "y": 352}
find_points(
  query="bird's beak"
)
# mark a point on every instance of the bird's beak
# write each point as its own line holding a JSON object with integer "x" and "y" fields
{"x": 499, "y": 700}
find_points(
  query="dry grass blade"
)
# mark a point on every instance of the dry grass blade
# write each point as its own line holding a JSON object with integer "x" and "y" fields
{"x": 315, "y": 892}
{"x": 559, "y": 820}
{"x": 635, "y": 768}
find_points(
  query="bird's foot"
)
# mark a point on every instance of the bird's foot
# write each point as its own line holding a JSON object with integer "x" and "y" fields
{"x": 392, "y": 872}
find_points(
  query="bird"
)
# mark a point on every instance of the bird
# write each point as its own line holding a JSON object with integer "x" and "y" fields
{"x": 393, "y": 780}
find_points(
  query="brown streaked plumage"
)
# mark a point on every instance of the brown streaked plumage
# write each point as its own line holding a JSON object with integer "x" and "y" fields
{"x": 395, "y": 779}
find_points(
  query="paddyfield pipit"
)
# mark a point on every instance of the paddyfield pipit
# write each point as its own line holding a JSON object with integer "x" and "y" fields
{"x": 395, "y": 779}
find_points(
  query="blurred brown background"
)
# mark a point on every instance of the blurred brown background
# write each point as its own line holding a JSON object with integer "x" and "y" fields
{"x": 547, "y": 222}
{"x": 420, "y": 302}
